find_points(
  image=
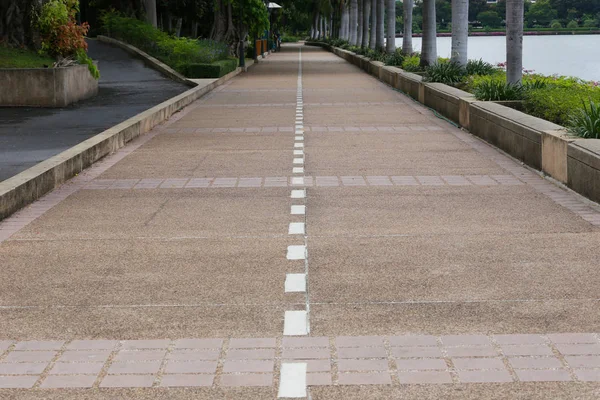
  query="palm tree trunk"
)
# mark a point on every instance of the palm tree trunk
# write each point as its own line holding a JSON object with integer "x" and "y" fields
{"x": 353, "y": 21}
{"x": 407, "y": 47}
{"x": 460, "y": 31}
{"x": 345, "y": 22}
{"x": 150, "y": 8}
{"x": 390, "y": 44}
{"x": 373, "y": 31}
{"x": 429, "y": 48}
{"x": 366, "y": 18}
{"x": 379, "y": 41}
{"x": 359, "y": 29}
{"x": 514, "y": 41}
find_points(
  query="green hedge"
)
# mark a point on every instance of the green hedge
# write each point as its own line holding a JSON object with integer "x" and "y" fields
{"x": 213, "y": 70}
{"x": 178, "y": 53}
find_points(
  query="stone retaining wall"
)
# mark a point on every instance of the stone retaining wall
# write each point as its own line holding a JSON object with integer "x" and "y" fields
{"x": 46, "y": 87}
{"x": 536, "y": 142}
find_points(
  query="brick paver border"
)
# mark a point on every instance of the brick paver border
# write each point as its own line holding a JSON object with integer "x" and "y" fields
{"x": 342, "y": 360}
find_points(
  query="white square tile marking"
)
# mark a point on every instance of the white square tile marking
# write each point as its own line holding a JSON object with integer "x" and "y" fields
{"x": 300, "y": 138}
{"x": 295, "y": 283}
{"x": 298, "y": 152}
{"x": 296, "y": 228}
{"x": 299, "y": 145}
{"x": 295, "y": 323}
{"x": 298, "y": 210}
{"x": 298, "y": 170}
{"x": 292, "y": 382}
{"x": 298, "y": 161}
{"x": 298, "y": 180}
{"x": 298, "y": 194}
{"x": 297, "y": 252}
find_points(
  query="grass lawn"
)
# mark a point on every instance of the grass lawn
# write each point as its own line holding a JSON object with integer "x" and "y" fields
{"x": 22, "y": 58}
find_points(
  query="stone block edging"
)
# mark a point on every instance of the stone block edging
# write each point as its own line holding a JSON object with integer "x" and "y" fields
{"x": 31, "y": 184}
{"x": 538, "y": 143}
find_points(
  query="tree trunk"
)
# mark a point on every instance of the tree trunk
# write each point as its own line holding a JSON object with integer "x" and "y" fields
{"x": 331, "y": 34}
{"x": 373, "y": 31}
{"x": 322, "y": 27}
{"x": 460, "y": 31}
{"x": 514, "y": 41}
{"x": 407, "y": 47}
{"x": 178, "y": 27}
{"x": 315, "y": 25}
{"x": 194, "y": 33}
{"x": 379, "y": 42}
{"x": 353, "y": 21}
{"x": 366, "y": 19}
{"x": 429, "y": 48}
{"x": 359, "y": 29}
{"x": 346, "y": 22}
{"x": 390, "y": 44}
{"x": 150, "y": 8}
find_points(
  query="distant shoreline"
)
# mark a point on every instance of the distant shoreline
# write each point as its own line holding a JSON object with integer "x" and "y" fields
{"x": 526, "y": 33}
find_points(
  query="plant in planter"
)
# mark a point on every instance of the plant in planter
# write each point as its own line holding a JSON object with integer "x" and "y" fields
{"x": 585, "y": 122}
{"x": 62, "y": 37}
{"x": 498, "y": 90}
{"x": 446, "y": 72}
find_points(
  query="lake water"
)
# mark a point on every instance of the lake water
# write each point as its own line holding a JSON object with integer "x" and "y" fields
{"x": 574, "y": 55}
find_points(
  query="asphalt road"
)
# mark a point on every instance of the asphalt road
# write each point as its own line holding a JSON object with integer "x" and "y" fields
{"x": 126, "y": 88}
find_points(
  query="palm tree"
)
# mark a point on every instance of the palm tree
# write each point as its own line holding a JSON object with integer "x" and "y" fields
{"x": 408, "y": 6}
{"x": 514, "y": 41}
{"x": 373, "y": 34}
{"x": 359, "y": 29}
{"x": 460, "y": 31}
{"x": 150, "y": 8}
{"x": 353, "y": 21}
{"x": 429, "y": 45}
{"x": 380, "y": 13}
{"x": 390, "y": 44}
{"x": 366, "y": 18}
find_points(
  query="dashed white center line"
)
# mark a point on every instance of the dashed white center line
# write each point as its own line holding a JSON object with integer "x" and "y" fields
{"x": 296, "y": 228}
{"x": 295, "y": 283}
{"x": 298, "y": 161}
{"x": 298, "y": 210}
{"x": 299, "y": 138}
{"x": 298, "y": 194}
{"x": 298, "y": 180}
{"x": 292, "y": 382}
{"x": 298, "y": 145}
{"x": 295, "y": 323}
{"x": 298, "y": 170}
{"x": 298, "y": 152}
{"x": 296, "y": 252}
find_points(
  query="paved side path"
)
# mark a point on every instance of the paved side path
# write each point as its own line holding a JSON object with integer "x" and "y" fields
{"x": 126, "y": 88}
{"x": 302, "y": 231}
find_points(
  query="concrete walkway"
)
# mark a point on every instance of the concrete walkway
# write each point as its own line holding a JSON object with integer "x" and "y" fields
{"x": 126, "y": 88}
{"x": 303, "y": 224}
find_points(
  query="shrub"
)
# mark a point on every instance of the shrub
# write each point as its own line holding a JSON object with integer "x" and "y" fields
{"x": 412, "y": 63}
{"x": 480, "y": 67}
{"x": 556, "y": 24}
{"x": 216, "y": 69}
{"x": 557, "y": 104}
{"x": 449, "y": 73}
{"x": 590, "y": 23}
{"x": 289, "y": 39}
{"x": 585, "y": 122}
{"x": 396, "y": 59}
{"x": 572, "y": 25}
{"x": 498, "y": 90}
{"x": 173, "y": 51}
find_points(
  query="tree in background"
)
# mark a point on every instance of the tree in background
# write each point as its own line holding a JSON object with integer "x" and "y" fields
{"x": 407, "y": 47}
{"x": 429, "y": 41}
{"x": 489, "y": 19}
{"x": 460, "y": 31}
{"x": 540, "y": 13}
{"x": 379, "y": 40}
{"x": 366, "y": 20}
{"x": 514, "y": 41}
{"x": 390, "y": 44}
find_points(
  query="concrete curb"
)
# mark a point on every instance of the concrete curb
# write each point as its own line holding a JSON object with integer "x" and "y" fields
{"x": 31, "y": 184}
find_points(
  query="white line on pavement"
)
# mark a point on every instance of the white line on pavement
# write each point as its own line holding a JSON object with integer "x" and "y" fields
{"x": 295, "y": 283}
{"x": 299, "y": 180}
{"x": 295, "y": 323}
{"x": 298, "y": 161}
{"x": 292, "y": 382}
{"x": 297, "y": 252}
{"x": 296, "y": 228}
{"x": 298, "y": 170}
{"x": 298, "y": 194}
{"x": 298, "y": 210}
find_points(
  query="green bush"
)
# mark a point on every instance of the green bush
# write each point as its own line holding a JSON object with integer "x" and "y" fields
{"x": 412, "y": 63}
{"x": 480, "y": 67}
{"x": 216, "y": 69}
{"x": 173, "y": 51}
{"x": 556, "y": 25}
{"x": 590, "y": 23}
{"x": 572, "y": 25}
{"x": 498, "y": 90}
{"x": 585, "y": 122}
{"x": 289, "y": 39}
{"x": 396, "y": 59}
{"x": 449, "y": 73}
{"x": 558, "y": 103}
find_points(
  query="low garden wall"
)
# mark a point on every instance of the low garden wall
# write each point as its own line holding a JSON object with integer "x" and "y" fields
{"x": 538, "y": 143}
{"x": 46, "y": 87}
